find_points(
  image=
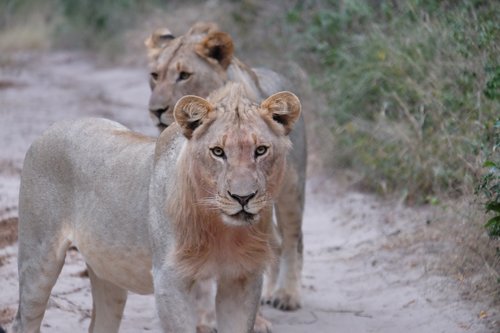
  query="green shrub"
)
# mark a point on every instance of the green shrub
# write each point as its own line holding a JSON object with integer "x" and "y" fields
{"x": 408, "y": 88}
{"x": 489, "y": 184}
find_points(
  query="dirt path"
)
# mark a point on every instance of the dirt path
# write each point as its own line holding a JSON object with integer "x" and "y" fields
{"x": 370, "y": 266}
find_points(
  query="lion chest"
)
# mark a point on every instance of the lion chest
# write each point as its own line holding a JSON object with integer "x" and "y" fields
{"x": 229, "y": 252}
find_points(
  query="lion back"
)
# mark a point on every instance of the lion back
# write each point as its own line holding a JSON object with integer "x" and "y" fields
{"x": 271, "y": 82}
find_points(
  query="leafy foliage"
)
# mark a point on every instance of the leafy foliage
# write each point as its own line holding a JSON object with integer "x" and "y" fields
{"x": 489, "y": 185}
{"x": 411, "y": 89}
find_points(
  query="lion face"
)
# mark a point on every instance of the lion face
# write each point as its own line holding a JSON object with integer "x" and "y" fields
{"x": 238, "y": 150}
{"x": 195, "y": 63}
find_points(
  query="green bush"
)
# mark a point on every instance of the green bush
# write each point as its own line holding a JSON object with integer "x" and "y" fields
{"x": 489, "y": 184}
{"x": 408, "y": 87}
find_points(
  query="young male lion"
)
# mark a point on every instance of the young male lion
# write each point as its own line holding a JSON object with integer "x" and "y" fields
{"x": 198, "y": 63}
{"x": 157, "y": 216}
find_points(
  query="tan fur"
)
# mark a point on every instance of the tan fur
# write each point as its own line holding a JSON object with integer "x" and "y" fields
{"x": 207, "y": 54}
{"x": 155, "y": 216}
{"x": 158, "y": 39}
{"x": 215, "y": 45}
{"x": 134, "y": 137}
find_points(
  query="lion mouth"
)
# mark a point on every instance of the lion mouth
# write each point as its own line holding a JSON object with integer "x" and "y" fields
{"x": 245, "y": 216}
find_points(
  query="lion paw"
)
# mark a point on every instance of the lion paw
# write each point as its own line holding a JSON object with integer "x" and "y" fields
{"x": 266, "y": 299}
{"x": 284, "y": 300}
{"x": 262, "y": 325}
{"x": 205, "y": 329}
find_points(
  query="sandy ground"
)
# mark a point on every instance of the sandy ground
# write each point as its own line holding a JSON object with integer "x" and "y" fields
{"x": 370, "y": 265}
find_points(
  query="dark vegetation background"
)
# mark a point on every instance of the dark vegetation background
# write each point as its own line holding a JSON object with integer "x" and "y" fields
{"x": 403, "y": 96}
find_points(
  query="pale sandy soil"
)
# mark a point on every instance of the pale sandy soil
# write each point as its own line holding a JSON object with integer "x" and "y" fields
{"x": 370, "y": 265}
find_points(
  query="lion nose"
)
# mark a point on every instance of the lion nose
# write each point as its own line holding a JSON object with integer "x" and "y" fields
{"x": 242, "y": 199}
{"x": 158, "y": 111}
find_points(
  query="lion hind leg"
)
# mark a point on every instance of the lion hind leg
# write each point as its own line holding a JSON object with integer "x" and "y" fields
{"x": 108, "y": 304}
{"x": 289, "y": 210}
{"x": 39, "y": 268}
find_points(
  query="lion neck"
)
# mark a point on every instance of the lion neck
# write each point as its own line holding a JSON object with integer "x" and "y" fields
{"x": 239, "y": 72}
{"x": 205, "y": 246}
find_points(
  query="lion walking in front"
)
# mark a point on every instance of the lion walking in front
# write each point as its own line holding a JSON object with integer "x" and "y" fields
{"x": 157, "y": 216}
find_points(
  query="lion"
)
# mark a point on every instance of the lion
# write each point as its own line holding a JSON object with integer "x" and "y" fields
{"x": 197, "y": 63}
{"x": 156, "y": 216}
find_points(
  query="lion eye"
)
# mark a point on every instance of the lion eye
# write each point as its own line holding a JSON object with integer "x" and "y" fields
{"x": 183, "y": 76}
{"x": 260, "y": 150}
{"x": 154, "y": 76}
{"x": 218, "y": 151}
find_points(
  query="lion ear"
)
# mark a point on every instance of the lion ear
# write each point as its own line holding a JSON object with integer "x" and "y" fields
{"x": 203, "y": 28}
{"x": 158, "y": 40}
{"x": 217, "y": 45}
{"x": 284, "y": 108}
{"x": 190, "y": 112}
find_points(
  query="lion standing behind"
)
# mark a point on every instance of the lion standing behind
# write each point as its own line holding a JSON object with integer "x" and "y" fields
{"x": 199, "y": 62}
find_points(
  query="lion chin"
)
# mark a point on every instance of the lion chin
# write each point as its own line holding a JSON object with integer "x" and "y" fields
{"x": 161, "y": 126}
{"x": 241, "y": 218}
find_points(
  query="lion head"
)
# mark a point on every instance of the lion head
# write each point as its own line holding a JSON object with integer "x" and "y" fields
{"x": 236, "y": 150}
{"x": 195, "y": 63}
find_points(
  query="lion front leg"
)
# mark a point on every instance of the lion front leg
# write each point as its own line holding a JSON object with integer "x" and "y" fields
{"x": 173, "y": 302}
{"x": 204, "y": 299}
{"x": 237, "y": 302}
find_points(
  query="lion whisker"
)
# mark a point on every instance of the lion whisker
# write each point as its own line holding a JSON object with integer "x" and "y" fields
{"x": 207, "y": 202}
{"x": 209, "y": 191}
